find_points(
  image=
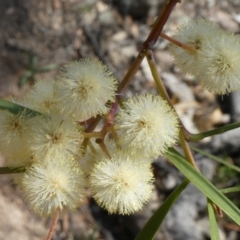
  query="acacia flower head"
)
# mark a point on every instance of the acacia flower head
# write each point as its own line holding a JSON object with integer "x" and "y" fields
{"x": 13, "y": 131}
{"x": 122, "y": 184}
{"x": 84, "y": 88}
{"x": 199, "y": 34}
{"x": 147, "y": 122}
{"x": 19, "y": 156}
{"x": 54, "y": 136}
{"x": 41, "y": 97}
{"x": 221, "y": 74}
{"x": 53, "y": 184}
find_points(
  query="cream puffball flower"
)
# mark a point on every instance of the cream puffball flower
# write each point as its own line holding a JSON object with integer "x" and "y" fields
{"x": 19, "y": 156}
{"x": 41, "y": 97}
{"x": 13, "y": 131}
{"x": 221, "y": 74}
{"x": 147, "y": 122}
{"x": 121, "y": 185}
{"x": 53, "y": 185}
{"x": 54, "y": 136}
{"x": 216, "y": 59}
{"x": 199, "y": 34}
{"x": 84, "y": 88}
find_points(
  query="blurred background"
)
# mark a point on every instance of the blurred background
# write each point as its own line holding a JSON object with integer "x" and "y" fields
{"x": 38, "y": 37}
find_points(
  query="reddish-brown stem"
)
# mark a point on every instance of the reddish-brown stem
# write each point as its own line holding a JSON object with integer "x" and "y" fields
{"x": 53, "y": 225}
{"x": 150, "y": 41}
{"x": 109, "y": 118}
{"x": 159, "y": 23}
{"x": 92, "y": 123}
{"x": 177, "y": 43}
{"x": 112, "y": 113}
{"x": 132, "y": 71}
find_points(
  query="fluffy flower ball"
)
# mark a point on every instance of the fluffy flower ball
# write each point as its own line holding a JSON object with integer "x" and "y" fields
{"x": 84, "y": 89}
{"x": 147, "y": 122}
{"x": 41, "y": 97}
{"x": 216, "y": 61}
{"x": 199, "y": 34}
{"x": 122, "y": 184}
{"x": 53, "y": 185}
{"x": 221, "y": 73}
{"x": 13, "y": 131}
{"x": 54, "y": 136}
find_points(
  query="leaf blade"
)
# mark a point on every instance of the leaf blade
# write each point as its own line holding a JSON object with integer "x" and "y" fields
{"x": 204, "y": 185}
{"x": 16, "y": 108}
{"x": 213, "y": 223}
{"x": 153, "y": 224}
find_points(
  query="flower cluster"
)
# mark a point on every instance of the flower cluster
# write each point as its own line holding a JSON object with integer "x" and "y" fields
{"x": 215, "y": 60}
{"x": 51, "y": 145}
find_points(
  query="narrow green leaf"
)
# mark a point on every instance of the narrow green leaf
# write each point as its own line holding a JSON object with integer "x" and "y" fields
{"x": 216, "y": 158}
{"x": 213, "y": 223}
{"x": 153, "y": 224}
{"x": 202, "y": 135}
{"x": 230, "y": 190}
{"x": 204, "y": 185}
{"x": 16, "y": 108}
{"x": 8, "y": 170}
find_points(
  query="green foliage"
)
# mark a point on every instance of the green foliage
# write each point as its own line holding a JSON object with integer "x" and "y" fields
{"x": 153, "y": 224}
{"x": 213, "y": 223}
{"x": 16, "y": 108}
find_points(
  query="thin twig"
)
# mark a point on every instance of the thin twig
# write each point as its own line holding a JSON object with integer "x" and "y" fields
{"x": 150, "y": 41}
{"x": 159, "y": 23}
{"x": 161, "y": 89}
{"x": 187, "y": 150}
{"x": 163, "y": 93}
{"x": 53, "y": 225}
{"x": 92, "y": 134}
{"x": 103, "y": 147}
{"x": 179, "y": 44}
{"x": 131, "y": 72}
